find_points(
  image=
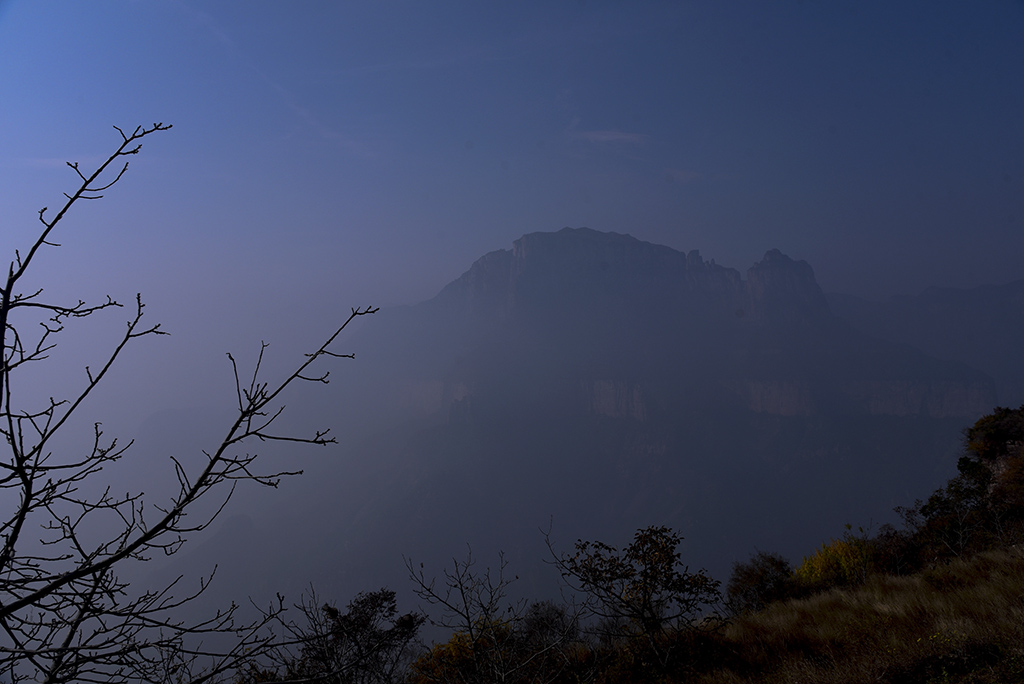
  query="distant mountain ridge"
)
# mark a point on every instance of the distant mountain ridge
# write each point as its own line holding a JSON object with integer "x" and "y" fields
{"x": 981, "y": 326}
{"x": 607, "y": 384}
{"x": 578, "y": 264}
{"x": 584, "y": 309}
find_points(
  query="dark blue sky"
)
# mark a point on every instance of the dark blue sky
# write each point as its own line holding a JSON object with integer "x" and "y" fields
{"x": 334, "y": 154}
{"x": 355, "y": 152}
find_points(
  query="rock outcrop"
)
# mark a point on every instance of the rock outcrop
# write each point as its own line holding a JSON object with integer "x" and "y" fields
{"x": 982, "y": 327}
{"x": 782, "y": 289}
{"x": 578, "y": 308}
{"x": 616, "y": 399}
{"x": 604, "y": 383}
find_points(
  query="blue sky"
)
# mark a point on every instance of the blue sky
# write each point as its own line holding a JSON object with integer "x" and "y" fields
{"x": 326, "y": 155}
{"x": 331, "y": 154}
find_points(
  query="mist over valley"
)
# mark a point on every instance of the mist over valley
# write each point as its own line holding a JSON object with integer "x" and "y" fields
{"x": 528, "y": 301}
{"x": 591, "y": 384}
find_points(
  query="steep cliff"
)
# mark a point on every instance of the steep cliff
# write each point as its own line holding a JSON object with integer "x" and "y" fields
{"x": 782, "y": 289}
{"x": 584, "y": 267}
{"x": 608, "y": 384}
{"x": 604, "y": 310}
{"x": 982, "y": 327}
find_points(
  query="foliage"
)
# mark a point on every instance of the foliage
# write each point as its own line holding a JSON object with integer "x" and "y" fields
{"x": 65, "y": 612}
{"x": 542, "y": 646}
{"x": 766, "y": 578}
{"x": 927, "y": 603}
{"x": 370, "y": 643}
{"x": 646, "y": 587}
{"x": 923, "y": 604}
{"x": 459, "y": 659}
{"x": 644, "y": 594}
{"x": 982, "y": 507}
{"x": 893, "y": 630}
{"x": 959, "y": 622}
{"x": 999, "y": 434}
{"x": 955, "y": 517}
{"x": 894, "y": 551}
{"x": 494, "y": 639}
{"x": 838, "y": 563}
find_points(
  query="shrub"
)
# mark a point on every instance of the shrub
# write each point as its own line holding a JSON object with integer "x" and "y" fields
{"x": 842, "y": 562}
{"x": 766, "y": 578}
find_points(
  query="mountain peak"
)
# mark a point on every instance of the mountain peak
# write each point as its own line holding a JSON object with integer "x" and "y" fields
{"x": 580, "y": 269}
{"x": 780, "y": 287}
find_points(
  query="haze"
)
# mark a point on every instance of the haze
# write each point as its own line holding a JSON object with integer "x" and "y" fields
{"x": 331, "y": 155}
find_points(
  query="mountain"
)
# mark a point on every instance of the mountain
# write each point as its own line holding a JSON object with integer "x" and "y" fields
{"x": 605, "y": 322}
{"x": 595, "y": 383}
{"x": 982, "y": 327}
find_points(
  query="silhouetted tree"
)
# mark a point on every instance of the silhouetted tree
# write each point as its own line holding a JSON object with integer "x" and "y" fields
{"x": 982, "y": 507}
{"x": 955, "y": 516}
{"x": 979, "y": 509}
{"x": 997, "y": 435}
{"x": 370, "y": 643}
{"x": 644, "y": 591}
{"x": 494, "y": 639}
{"x": 65, "y": 613}
{"x": 894, "y": 551}
{"x": 767, "y": 577}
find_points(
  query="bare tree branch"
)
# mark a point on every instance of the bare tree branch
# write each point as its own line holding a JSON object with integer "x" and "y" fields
{"x": 65, "y": 615}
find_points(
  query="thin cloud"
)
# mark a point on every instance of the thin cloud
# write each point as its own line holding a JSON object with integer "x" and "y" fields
{"x": 466, "y": 55}
{"x": 609, "y": 137}
{"x": 303, "y": 114}
{"x": 312, "y": 122}
{"x": 682, "y": 176}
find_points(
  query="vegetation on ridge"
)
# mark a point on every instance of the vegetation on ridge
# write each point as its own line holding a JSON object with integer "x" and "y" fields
{"x": 941, "y": 600}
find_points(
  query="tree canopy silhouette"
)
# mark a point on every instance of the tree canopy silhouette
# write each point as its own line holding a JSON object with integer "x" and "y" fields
{"x": 65, "y": 612}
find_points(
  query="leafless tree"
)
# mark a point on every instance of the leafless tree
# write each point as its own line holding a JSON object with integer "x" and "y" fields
{"x": 495, "y": 639}
{"x": 368, "y": 643}
{"x": 65, "y": 615}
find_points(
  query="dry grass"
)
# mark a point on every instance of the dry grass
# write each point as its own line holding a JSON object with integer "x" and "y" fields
{"x": 963, "y": 622}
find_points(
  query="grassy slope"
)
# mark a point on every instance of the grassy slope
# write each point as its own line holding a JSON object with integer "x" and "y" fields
{"x": 963, "y": 622}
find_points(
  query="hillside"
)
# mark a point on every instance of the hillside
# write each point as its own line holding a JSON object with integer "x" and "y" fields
{"x": 982, "y": 327}
{"x": 596, "y": 384}
{"x": 956, "y": 623}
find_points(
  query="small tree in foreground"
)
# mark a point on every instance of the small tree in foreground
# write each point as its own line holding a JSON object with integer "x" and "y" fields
{"x": 494, "y": 639}
{"x": 766, "y": 578}
{"x": 65, "y": 614}
{"x": 982, "y": 507}
{"x": 645, "y": 587}
{"x": 644, "y": 591}
{"x": 369, "y": 643}
{"x": 839, "y": 563}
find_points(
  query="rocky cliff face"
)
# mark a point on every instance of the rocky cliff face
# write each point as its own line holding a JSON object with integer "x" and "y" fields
{"x": 935, "y": 398}
{"x": 782, "y": 289}
{"x": 780, "y": 397}
{"x": 615, "y": 399}
{"x": 484, "y": 288}
{"x": 596, "y": 380}
{"x": 982, "y": 327}
{"x": 927, "y": 398}
{"x": 585, "y": 309}
{"x": 582, "y": 265}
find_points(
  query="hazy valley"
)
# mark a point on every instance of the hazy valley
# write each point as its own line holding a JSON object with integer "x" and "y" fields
{"x": 596, "y": 384}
